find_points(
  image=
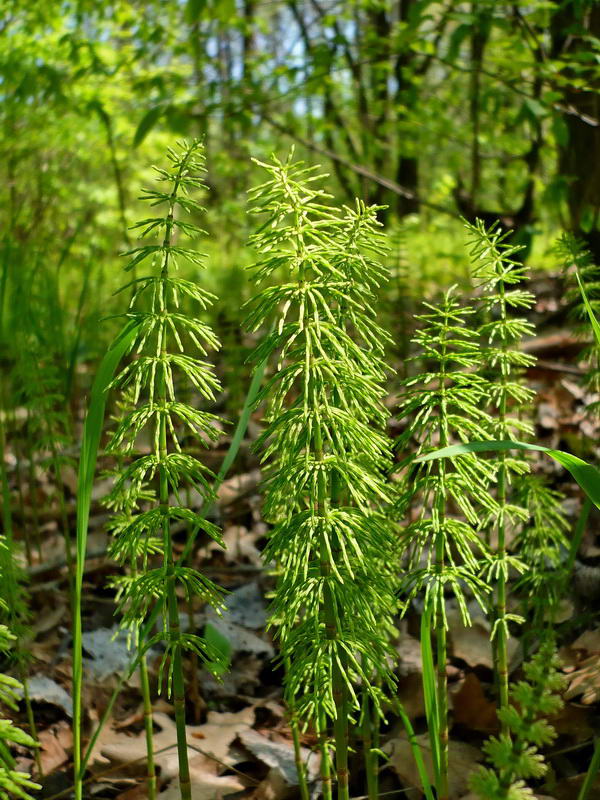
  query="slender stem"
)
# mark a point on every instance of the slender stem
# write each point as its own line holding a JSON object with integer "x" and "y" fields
{"x": 590, "y": 776}
{"x": 172, "y": 620}
{"x": 29, "y": 711}
{"x": 339, "y": 691}
{"x": 369, "y": 726}
{"x": 294, "y": 727}
{"x": 63, "y": 510}
{"x": 501, "y": 637}
{"x": 376, "y": 734}
{"x": 440, "y": 626}
{"x": 415, "y": 748}
{"x": 325, "y": 758}
{"x": 148, "y": 727}
{"x": 577, "y": 536}
{"x": 148, "y": 719}
{"x": 33, "y": 500}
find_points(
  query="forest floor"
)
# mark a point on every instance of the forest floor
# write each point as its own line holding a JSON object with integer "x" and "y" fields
{"x": 241, "y": 743}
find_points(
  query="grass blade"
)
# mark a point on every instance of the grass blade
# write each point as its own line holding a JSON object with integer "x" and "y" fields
{"x": 92, "y": 431}
{"x": 430, "y": 693}
{"x": 586, "y": 475}
{"x": 594, "y": 322}
{"x": 591, "y": 773}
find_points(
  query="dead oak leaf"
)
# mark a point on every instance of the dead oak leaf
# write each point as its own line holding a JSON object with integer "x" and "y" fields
{"x": 462, "y": 758}
{"x": 581, "y": 662}
{"x": 473, "y": 644}
{"x": 207, "y": 784}
{"x": 214, "y": 739}
{"x": 585, "y": 681}
{"x": 472, "y": 708}
{"x": 55, "y": 742}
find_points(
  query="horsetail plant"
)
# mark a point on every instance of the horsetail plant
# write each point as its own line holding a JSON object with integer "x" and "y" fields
{"x": 541, "y": 543}
{"x": 443, "y": 550}
{"x": 325, "y": 451}
{"x": 498, "y": 275}
{"x": 150, "y": 486}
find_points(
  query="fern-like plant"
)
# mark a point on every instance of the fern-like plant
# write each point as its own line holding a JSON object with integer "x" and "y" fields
{"x": 515, "y": 756}
{"x": 162, "y": 360}
{"x": 442, "y": 405}
{"x": 324, "y": 448}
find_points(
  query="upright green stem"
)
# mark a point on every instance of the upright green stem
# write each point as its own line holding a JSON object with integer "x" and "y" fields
{"x": 30, "y": 714}
{"x": 33, "y": 499}
{"x": 173, "y": 624}
{"x": 148, "y": 728}
{"x": 325, "y": 758}
{"x": 501, "y": 638}
{"x": 148, "y": 719}
{"x": 440, "y": 627}
{"x": 370, "y": 736}
{"x": 590, "y": 776}
{"x": 340, "y": 722}
{"x": 300, "y": 766}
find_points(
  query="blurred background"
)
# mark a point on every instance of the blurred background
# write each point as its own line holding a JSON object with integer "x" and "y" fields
{"x": 436, "y": 110}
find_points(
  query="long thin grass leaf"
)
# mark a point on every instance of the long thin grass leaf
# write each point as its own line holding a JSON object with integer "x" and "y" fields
{"x": 92, "y": 431}
{"x": 586, "y": 475}
{"x": 430, "y": 693}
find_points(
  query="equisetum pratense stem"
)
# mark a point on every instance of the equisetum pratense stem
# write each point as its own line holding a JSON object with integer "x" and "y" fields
{"x": 501, "y": 638}
{"x": 441, "y": 656}
{"x": 172, "y": 621}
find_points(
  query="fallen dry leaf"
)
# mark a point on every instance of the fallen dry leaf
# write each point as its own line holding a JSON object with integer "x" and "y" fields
{"x": 462, "y": 758}
{"x": 581, "y": 662}
{"x": 280, "y": 756}
{"x": 472, "y": 644}
{"x": 585, "y": 681}
{"x": 207, "y": 784}
{"x": 273, "y": 787}
{"x": 214, "y": 738}
{"x": 472, "y": 708}
{"x": 55, "y": 743}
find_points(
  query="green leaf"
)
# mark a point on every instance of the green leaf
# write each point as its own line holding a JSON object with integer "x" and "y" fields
{"x": 92, "y": 431}
{"x": 586, "y": 475}
{"x": 193, "y": 10}
{"x": 430, "y": 694}
{"x": 594, "y": 322}
{"x": 147, "y": 122}
{"x": 221, "y": 645}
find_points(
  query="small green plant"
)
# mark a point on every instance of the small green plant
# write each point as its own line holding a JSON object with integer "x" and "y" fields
{"x": 12, "y": 782}
{"x": 443, "y": 404}
{"x": 147, "y": 492}
{"x": 325, "y": 451}
{"x": 514, "y": 756}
